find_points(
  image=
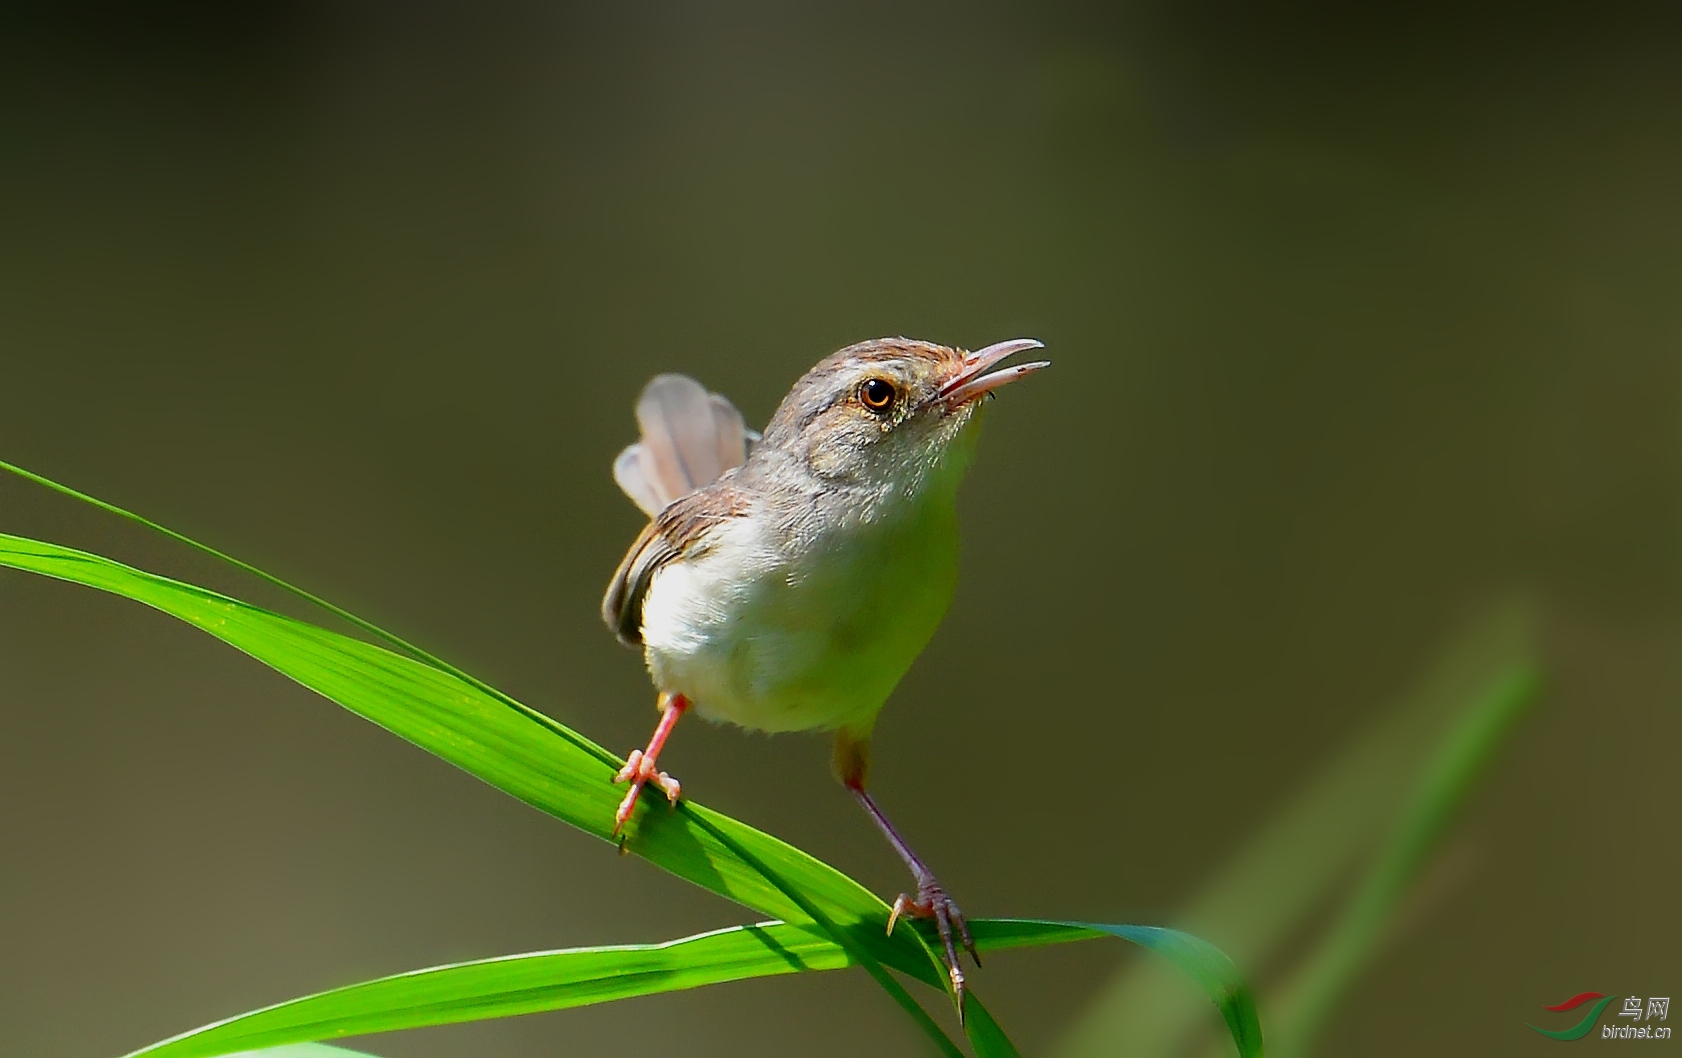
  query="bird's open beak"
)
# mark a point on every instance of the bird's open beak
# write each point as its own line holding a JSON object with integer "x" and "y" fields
{"x": 973, "y": 380}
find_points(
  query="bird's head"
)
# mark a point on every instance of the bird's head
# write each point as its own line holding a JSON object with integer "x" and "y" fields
{"x": 891, "y": 414}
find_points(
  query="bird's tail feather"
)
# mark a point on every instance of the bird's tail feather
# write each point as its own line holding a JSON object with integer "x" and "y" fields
{"x": 689, "y": 438}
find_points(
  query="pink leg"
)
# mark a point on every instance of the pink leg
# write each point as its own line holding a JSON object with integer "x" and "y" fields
{"x": 639, "y": 768}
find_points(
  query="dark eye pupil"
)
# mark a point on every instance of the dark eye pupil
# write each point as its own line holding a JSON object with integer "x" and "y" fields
{"x": 878, "y": 393}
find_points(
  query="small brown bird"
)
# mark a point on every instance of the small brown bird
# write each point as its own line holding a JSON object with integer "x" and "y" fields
{"x": 787, "y": 582}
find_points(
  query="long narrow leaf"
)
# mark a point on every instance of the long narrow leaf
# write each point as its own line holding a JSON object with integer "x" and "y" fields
{"x": 303, "y": 1050}
{"x": 845, "y": 938}
{"x": 1214, "y": 973}
{"x": 985, "y": 1035}
{"x": 515, "y": 984}
{"x": 1208, "y": 967}
{"x": 558, "y": 980}
{"x": 1443, "y": 790}
{"x": 1319, "y": 839}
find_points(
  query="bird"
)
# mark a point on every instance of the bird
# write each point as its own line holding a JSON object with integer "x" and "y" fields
{"x": 786, "y": 581}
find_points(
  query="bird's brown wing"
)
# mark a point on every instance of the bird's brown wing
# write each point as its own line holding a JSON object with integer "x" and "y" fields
{"x": 678, "y": 531}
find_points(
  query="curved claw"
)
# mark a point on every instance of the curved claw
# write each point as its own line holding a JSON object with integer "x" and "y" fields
{"x": 899, "y": 909}
{"x": 933, "y": 902}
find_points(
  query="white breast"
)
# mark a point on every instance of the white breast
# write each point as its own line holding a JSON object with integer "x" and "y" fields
{"x": 777, "y": 642}
{"x": 691, "y": 603}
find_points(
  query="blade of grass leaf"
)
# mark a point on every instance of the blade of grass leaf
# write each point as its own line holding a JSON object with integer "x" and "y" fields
{"x": 1207, "y": 966}
{"x": 1001, "y": 934}
{"x": 1463, "y": 758}
{"x": 554, "y": 980}
{"x": 514, "y": 984}
{"x": 895, "y": 990}
{"x": 1269, "y": 887}
{"x": 303, "y": 1050}
{"x": 984, "y": 1033}
{"x": 1214, "y": 973}
{"x": 370, "y": 627}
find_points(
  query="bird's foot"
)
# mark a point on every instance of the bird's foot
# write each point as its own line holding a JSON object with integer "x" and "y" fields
{"x": 932, "y": 902}
{"x": 639, "y": 771}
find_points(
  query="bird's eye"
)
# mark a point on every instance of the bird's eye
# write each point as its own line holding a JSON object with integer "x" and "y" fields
{"x": 877, "y": 394}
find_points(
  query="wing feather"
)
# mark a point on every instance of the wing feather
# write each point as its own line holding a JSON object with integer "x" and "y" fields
{"x": 677, "y": 531}
{"x": 622, "y": 605}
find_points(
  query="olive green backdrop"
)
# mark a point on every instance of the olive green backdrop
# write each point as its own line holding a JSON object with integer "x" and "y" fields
{"x": 1357, "y": 324}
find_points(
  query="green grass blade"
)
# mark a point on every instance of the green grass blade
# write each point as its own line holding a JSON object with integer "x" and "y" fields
{"x": 985, "y": 1035}
{"x": 845, "y": 938}
{"x": 1208, "y": 967}
{"x": 914, "y": 1010}
{"x": 515, "y": 984}
{"x": 557, "y": 980}
{"x": 1213, "y": 972}
{"x": 1463, "y": 758}
{"x": 370, "y": 627}
{"x": 1267, "y": 891}
{"x": 303, "y": 1050}
{"x": 999, "y": 934}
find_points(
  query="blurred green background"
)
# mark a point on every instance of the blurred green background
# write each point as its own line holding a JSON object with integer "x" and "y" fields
{"x": 1359, "y": 322}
